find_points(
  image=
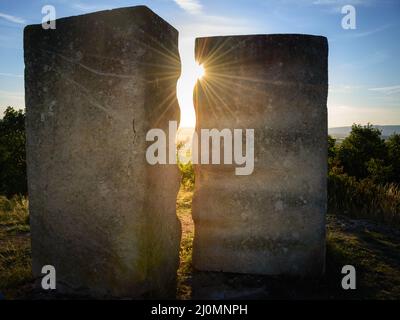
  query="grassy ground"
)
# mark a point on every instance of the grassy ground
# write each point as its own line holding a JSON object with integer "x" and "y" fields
{"x": 184, "y": 212}
{"x": 373, "y": 249}
{"x": 15, "y": 247}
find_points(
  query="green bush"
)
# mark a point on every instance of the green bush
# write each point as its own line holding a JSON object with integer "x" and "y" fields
{"x": 186, "y": 167}
{"x": 363, "y": 144}
{"x": 393, "y": 149}
{"x": 187, "y": 172}
{"x": 12, "y": 153}
{"x": 364, "y": 175}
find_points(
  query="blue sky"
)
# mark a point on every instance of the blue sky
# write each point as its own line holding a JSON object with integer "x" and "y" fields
{"x": 364, "y": 64}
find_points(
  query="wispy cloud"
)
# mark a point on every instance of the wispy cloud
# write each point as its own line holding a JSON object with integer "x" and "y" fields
{"x": 2, "y": 74}
{"x": 368, "y": 32}
{"x": 335, "y": 6}
{"x": 366, "y": 61}
{"x": 331, "y": 3}
{"x": 340, "y": 2}
{"x": 190, "y": 6}
{"x": 343, "y": 88}
{"x": 90, "y": 7}
{"x": 13, "y": 19}
{"x": 387, "y": 90}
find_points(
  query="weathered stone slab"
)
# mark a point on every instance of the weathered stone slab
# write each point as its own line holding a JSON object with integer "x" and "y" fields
{"x": 102, "y": 216}
{"x": 272, "y": 221}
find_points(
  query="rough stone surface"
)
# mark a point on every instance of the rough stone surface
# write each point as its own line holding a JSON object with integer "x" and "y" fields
{"x": 273, "y": 221}
{"x": 101, "y": 215}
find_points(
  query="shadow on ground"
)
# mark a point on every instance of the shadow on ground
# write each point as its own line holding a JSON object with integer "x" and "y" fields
{"x": 371, "y": 248}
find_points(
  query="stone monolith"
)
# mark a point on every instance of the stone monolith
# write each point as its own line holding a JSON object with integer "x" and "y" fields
{"x": 272, "y": 221}
{"x": 100, "y": 214}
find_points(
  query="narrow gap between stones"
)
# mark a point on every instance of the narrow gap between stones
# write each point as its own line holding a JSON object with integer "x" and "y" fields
{"x": 185, "y": 89}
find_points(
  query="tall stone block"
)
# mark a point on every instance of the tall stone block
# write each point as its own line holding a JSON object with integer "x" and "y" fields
{"x": 100, "y": 214}
{"x": 272, "y": 221}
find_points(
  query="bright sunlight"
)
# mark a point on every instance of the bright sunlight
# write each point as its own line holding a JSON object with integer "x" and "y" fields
{"x": 200, "y": 72}
{"x": 191, "y": 72}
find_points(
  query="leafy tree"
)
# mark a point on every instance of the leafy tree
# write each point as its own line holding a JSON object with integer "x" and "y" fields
{"x": 393, "y": 148}
{"x": 12, "y": 153}
{"x": 378, "y": 172}
{"x": 363, "y": 144}
{"x": 331, "y": 147}
{"x": 333, "y": 162}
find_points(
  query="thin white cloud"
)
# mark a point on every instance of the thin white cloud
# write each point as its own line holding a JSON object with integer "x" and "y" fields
{"x": 369, "y": 60}
{"x": 13, "y": 19}
{"x": 331, "y": 3}
{"x": 343, "y": 88}
{"x": 2, "y": 74}
{"x": 387, "y": 90}
{"x": 90, "y": 8}
{"x": 368, "y": 32}
{"x": 335, "y": 6}
{"x": 190, "y": 6}
{"x": 340, "y": 2}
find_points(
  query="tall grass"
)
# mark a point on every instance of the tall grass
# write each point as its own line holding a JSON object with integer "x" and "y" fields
{"x": 364, "y": 199}
{"x": 14, "y": 211}
{"x": 15, "y": 247}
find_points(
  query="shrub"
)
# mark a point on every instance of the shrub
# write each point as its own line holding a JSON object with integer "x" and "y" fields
{"x": 364, "y": 198}
{"x": 393, "y": 146}
{"x": 363, "y": 144}
{"x": 12, "y": 153}
{"x": 187, "y": 172}
{"x": 185, "y": 166}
